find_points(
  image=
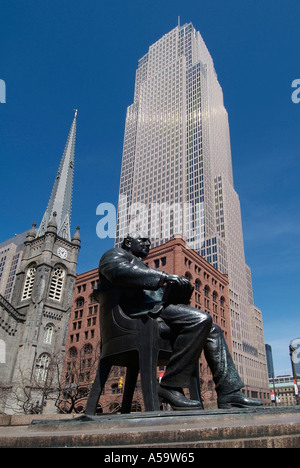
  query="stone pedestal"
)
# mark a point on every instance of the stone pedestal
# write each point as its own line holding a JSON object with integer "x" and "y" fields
{"x": 241, "y": 428}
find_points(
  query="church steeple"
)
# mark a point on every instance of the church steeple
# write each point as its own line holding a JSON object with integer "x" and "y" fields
{"x": 61, "y": 196}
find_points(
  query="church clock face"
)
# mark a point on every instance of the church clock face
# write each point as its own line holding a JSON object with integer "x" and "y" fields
{"x": 62, "y": 253}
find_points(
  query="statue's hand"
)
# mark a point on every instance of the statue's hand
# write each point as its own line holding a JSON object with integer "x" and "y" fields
{"x": 179, "y": 280}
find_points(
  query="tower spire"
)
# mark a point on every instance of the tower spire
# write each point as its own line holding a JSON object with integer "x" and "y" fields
{"x": 61, "y": 196}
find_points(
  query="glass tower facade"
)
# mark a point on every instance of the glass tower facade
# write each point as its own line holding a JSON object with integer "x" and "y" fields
{"x": 176, "y": 177}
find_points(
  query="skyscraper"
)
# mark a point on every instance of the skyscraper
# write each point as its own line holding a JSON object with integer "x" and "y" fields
{"x": 269, "y": 355}
{"x": 176, "y": 177}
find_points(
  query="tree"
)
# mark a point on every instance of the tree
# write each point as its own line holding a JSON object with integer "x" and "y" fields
{"x": 78, "y": 376}
{"x": 34, "y": 388}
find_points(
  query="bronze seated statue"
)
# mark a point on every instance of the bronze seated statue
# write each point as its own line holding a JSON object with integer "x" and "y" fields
{"x": 142, "y": 293}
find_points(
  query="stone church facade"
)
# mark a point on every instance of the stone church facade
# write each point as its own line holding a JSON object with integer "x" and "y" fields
{"x": 34, "y": 324}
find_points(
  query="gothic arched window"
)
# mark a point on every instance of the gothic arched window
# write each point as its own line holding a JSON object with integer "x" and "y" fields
{"x": 48, "y": 333}
{"x": 2, "y": 352}
{"x": 28, "y": 285}
{"x": 56, "y": 286}
{"x": 42, "y": 367}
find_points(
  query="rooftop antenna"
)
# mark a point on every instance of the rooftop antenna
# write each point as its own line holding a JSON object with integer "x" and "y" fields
{"x": 179, "y": 21}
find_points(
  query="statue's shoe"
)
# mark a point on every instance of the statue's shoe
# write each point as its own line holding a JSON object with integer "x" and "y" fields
{"x": 176, "y": 398}
{"x": 237, "y": 399}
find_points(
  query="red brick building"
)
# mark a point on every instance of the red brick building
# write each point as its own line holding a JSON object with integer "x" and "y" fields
{"x": 82, "y": 345}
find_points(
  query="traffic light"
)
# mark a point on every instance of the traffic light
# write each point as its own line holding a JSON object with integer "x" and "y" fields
{"x": 120, "y": 383}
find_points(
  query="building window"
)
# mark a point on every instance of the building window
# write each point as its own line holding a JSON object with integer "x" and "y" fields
{"x": 73, "y": 352}
{"x": 116, "y": 389}
{"x": 48, "y": 333}
{"x": 92, "y": 299}
{"x": 28, "y": 285}
{"x": 88, "y": 349}
{"x": 188, "y": 276}
{"x": 42, "y": 367}
{"x": 79, "y": 302}
{"x": 56, "y": 285}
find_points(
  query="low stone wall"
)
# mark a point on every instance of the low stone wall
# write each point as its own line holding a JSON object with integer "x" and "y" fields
{"x": 26, "y": 419}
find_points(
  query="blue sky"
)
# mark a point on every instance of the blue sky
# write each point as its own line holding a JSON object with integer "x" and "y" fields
{"x": 59, "y": 55}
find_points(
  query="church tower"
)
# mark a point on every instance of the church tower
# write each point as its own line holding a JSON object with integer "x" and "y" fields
{"x": 45, "y": 284}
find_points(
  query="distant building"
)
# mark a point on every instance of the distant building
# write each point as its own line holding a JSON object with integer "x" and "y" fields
{"x": 284, "y": 387}
{"x": 270, "y": 364}
{"x": 10, "y": 258}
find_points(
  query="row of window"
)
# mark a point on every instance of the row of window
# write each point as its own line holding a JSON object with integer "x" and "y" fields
{"x": 80, "y": 301}
{"x": 78, "y": 314}
{"x": 82, "y": 368}
{"x": 87, "y": 349}
{"x": 89, "y": 323}
{"x": 88, "y": 334}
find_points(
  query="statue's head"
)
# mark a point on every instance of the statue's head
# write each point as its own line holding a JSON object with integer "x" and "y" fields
{"x": 137, "y": 243}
